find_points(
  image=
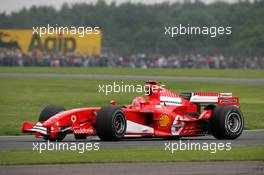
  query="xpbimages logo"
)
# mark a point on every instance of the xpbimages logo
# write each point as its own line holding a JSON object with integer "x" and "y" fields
{"x": 129, "y": 88}
{"x": 212, "y": 31}
{"x": 213, "y": 147}
{"x": 80, "y": 147}
{"x": 80, "y": 31}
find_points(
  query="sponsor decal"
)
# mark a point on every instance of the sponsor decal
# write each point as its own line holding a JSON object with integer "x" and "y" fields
{"x": 84, "y": 131}
{"x": 228, "y": 101}
{"x": 73, "y": 118}
{"x": 27, "y": 41}
{"x": 177, "y": 126}
{"x": 204, "y": 99}
{"x": 164, "y": 120}
{"x": 170, "y": 101}
{"x": 225, "y": 94}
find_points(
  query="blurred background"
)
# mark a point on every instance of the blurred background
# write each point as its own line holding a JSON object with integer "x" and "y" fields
{"x": 132, "y": 34}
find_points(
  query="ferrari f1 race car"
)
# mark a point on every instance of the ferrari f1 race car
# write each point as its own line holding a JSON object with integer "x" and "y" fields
{"x": 161, "y": 114}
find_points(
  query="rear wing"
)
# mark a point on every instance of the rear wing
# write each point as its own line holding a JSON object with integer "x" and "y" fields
{"x": 222, "y": 99}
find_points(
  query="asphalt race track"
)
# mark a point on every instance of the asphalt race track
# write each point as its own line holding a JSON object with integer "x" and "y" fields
{"x": 183, "y": 168}
{"x": 255, "y": 137}
{"x": 133, "y": 77}
{"x": 26, "y": 142}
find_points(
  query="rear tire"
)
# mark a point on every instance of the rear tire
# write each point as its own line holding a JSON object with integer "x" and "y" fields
{"x": 227, "y": 122}
{"x": 111, "y": 123}
{"x": 48, "y": 112}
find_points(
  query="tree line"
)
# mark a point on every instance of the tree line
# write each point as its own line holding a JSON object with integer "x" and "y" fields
{"x": 136, "y": 27}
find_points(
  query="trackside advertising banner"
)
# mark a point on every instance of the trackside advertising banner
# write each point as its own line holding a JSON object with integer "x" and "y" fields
{"x": 26, "y": 40}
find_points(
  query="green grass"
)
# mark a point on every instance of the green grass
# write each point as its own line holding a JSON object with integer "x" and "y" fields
{"x": 126, "y": 155}
{"x": 22, "y": 99}
{"x": 229, "y": 73}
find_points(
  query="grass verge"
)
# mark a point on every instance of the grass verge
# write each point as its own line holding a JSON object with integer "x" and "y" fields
{"x": 126, "y": 155}
{"x": 226, "y": 73}
{"x": 22, "y": 99}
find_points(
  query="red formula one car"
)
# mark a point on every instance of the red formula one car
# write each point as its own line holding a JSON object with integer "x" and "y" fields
{"x": 161, "y": 114}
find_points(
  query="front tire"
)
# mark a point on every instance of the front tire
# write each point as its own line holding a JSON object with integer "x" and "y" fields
{"x": 227, "y": 122}
{"x": 48, "y": 112}
{"x": 111, "y": 123}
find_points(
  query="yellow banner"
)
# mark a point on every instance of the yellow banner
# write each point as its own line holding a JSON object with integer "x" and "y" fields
{"x": 13, "y": 39}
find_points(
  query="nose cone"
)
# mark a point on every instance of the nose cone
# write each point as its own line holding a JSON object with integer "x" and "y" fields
{"x": 52, "y": 120}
